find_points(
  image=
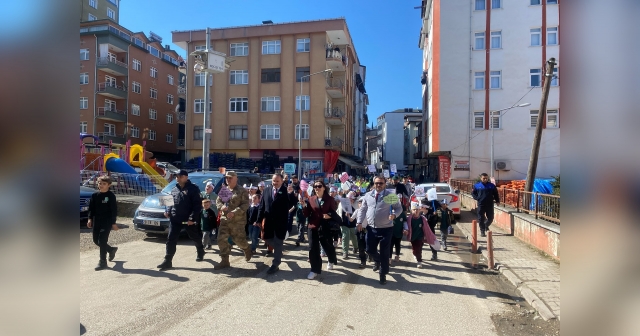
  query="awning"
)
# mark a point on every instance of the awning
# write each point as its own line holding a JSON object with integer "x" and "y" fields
{"x": 350, "y": 162}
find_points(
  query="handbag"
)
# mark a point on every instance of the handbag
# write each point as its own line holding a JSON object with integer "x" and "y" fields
{"x": 333, "y": 223}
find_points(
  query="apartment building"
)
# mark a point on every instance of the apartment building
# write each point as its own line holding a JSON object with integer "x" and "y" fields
{"x": 93, "y": 10}
{"x": 393, "y": 148}
{"x": 480, "y": 57}
{"x": 412, "y": 144}
{"x": 256, "y": 102}
{"x": 129, "y": 88}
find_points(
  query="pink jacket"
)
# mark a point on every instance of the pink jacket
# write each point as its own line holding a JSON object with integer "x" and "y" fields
{"x": 429, "y": 237}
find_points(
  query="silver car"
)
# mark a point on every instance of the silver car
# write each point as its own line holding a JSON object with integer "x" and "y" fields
{"x": 444, "y": 191}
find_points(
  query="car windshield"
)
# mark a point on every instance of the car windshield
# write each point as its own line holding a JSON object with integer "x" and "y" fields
{"x": 250, "y": 179}
{"x": 439, "y": 189}
{"x": 171, "y": 167}
{"x": 200, "y": 181}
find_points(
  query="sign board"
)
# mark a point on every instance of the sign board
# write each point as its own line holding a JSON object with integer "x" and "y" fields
{"x": 166, "y": 201}
{"x": 225, "y": 194}
{"x": 372, "y": 168}
{"x": 346, "y": 204}
{"x": 344, "y": 177}
{"x": 385, "y": 173}
{"x": 215, "y": 62}
{"x": 393, "y": 168}
{"x": 391, "y": 199}
{"x": 461, "y": 165}
{"x": 419, "y": 191}
{"x": 445, "y": 168}
{"x": 346, "y": 185}
{"x": 207, "y": 130}
{"x": 290, "y": 168}
{"x": 432, "y": 194}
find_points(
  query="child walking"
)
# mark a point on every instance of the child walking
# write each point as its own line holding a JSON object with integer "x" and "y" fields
{"x": 208, "y": 223}
{"x": 446, "y": 220}
{"x": 399, "y": 228}
{"x": 361, "y": 236}
{"x": 417, "y": 232}
{"x": 102, "y": 218}
{"x": 252, "y": 218}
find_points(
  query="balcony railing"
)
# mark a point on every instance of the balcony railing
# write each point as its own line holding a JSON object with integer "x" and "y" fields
{"x": 102, "y": 111}
{"x": 333, "y": 54}
{"x": 182, "y": 116}
{"x": 182, "y": 90}
{"x": 335, "y": 142}
{"x": 335, "y": 83}
{"x": 105, "y": 85}
{"x": 180, "y": 142}
{"x": 334, "y": 112}
{"x": 116, "y": 138}
{"x": 102, "y": 61}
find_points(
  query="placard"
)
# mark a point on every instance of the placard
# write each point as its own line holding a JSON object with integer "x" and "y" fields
{"x": 385, "y": 173}
{"x": 290, "y": 168}
{"x": 346, "y": 204}
{"x": 432, "y": 194}
{"x": 344, "y": 177}
{"x": 419, "y": 191}
{"x": 391, "y": 199}
{"x": 372, "y": 168}
{"x": 346, "y": 185}
{"x": 166, "y": 201}
{"x": 393, "y": 168}
{"x": 225, "y": 194}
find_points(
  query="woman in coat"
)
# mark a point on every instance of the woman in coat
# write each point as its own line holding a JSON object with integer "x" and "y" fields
{"x": 317, "y": 209}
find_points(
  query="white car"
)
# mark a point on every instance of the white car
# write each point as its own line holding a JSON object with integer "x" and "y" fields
{"x": 444, "y": 191}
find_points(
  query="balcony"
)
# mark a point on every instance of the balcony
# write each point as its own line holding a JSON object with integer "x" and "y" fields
{"x": 333, "y": 143}
{"x": 180, "y": 143}
{"x": 336, "y": 61}
{"x": 112, "y": 90}
{"x": 334, "y": 116}
{"x": 112, "y": 114}
{"x": 105, "y": 137}
{"x": 112, "y": 66}
{"x": 182, "y": 91}
{"x": 182, "y": 117}
{"x": 335, "y": 87}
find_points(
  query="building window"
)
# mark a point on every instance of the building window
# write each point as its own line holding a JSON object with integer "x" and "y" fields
{"x": 270, "y": 132}
{"x": 496, "y": 4}
{"x": 270, "y": 47}
{"x": 478, "y": 120}
{"x": 169, "y": 118}
{"x": 305, "y": 132}
{"x": 552, "y": 119}
{"x": 238, "y": 132}
{"x": 84, "y": 78}
{"x": 83, "y": 127}
{"x": 200, "y": 79}
{"x": 554, "y": 79}
{"x": 238, "y": 104}
{"x": 170, "y": 99}
{"x": 170, "y": 79}
{"x": 115, "y": 2}
{"x": 303, "y": 45}
{"x": 305, "y": 103}
{"x": 154, "y": 93}
{"x": 198, "y": 106}
{"x": 135, "y": 87}
{"x": 535, "y": 77}
{"x": 239, "y": 77}
{"x": 302, "y": 72}
{"x": 480, "y": 5}
{"x": 135, "y": 132}
{"x": 110, "y": 105}
{"x": 198, "y": 133}
{"x": 84, "y": 103}
{"x": 91, "y": 17}
{"x": 496, "y": 39}
{"x": 153, "y": 114}
{"x": 534, "y": 2}
{"x": 270, "y": 104}
{"x": 552, "y": 2}
{"x": 270, "y": 75}
{"x": 153, "y": 72}
{"x": 495, "y": 119}
{"x": 137, "y": 65}
{"x": 495, "y": 79}
{"x": 111, "y": 13}
{"x": 536, "y": 39}
{"x": 552, "y": 36}
{"x": 93, "y": 3}
{"x": 110, "y": 129}
{"x": 479, "y": 41}
{"x": 152, "y": 135}
{"x": 239, "y": 49}
{"x": 84, "y": 54}
{"x": 169, "y": 137}
{"x": 135, "y": 109}
{"x": 201, "y": 48}
{"x": 478, "y": 79}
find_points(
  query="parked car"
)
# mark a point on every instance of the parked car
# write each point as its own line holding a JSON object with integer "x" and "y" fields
{"x": 244, "y": 178}
{"x": 444, "y": 191}
{"x": 149, "y": 217}
{"x": 85, "y": 196}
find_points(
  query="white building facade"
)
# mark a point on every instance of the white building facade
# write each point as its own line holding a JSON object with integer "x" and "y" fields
{"x": 480, "y": 56}
{"x": 360, "y": 119}
{"x": 391, "y": 125}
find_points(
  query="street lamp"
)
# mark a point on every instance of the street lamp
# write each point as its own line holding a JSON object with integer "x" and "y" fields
{"x": 491, "y": 128}
{"x": 300, "y": 124}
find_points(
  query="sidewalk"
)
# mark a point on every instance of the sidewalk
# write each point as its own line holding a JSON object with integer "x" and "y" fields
{"x": 536, "y": 276}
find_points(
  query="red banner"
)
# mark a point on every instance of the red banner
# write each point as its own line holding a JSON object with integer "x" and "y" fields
{"x": 330, "y": 160}
{"x": 445, "y": 168}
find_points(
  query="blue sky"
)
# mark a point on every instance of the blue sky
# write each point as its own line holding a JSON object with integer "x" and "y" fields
{"x": 385, "y": 34}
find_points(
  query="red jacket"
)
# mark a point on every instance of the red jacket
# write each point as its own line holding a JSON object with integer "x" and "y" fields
{"x": 314, "y": 213}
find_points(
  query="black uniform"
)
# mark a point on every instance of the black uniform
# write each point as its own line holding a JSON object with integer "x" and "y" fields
{"x": 103, "y": 213}
{"x": 187, "y": 207}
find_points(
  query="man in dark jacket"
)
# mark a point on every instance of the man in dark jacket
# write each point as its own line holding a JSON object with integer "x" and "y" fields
{"x": 274, "y": 209}
{"x": 184, "y": 214}
{"x": 485, "y": 192}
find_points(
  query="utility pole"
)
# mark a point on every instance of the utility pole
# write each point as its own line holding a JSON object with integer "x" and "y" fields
{"x": 542, "y": 112}
{"x": 206, "y": 137}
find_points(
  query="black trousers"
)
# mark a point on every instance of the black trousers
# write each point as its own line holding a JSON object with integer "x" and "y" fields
{"x": 174, "y": 232}
{"x": 485, "y": 210}
{"x": 101, "y": 238}
{"x": 433, "y": 229}
{"x": 315, "y": 240}
{"x": 362, "y": 245}
{"x": 395, "y": 242}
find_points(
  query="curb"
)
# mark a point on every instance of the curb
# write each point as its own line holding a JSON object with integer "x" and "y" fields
{"x": 526, "y": 292}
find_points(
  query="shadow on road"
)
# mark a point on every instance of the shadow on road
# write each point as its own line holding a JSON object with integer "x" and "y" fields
{"x": 119, "y": 267}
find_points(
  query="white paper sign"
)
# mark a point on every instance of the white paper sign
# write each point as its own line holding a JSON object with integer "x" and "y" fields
{"x": 346, "y": 204}
{"x": 393, "y": 168}
{"x": 166, "y": 201}
{"x": 372, "y": 168}
{"x": 432, "y": 194}
{"x": 419, "y": 192}
{"x": 385, "y": 173}
{"x": 346, "y": 186}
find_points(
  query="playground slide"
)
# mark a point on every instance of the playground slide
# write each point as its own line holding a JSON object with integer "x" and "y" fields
{"x": 147, "y": 169}
{"x": 116, "y": 165}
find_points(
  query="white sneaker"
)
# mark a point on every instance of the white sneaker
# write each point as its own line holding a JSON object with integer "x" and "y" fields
{"x": 312, "y": 275}
{"x": 415, "y": 259}
{"x": 329, "y": 266}
{"x": 419, "y": 265}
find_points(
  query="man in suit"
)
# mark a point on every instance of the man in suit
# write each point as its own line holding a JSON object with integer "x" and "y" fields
{"x": 274, "y": 209}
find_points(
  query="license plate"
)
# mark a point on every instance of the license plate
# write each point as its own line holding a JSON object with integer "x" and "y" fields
{"x": 150, "y": 222}
{"x": 83, "y": 209}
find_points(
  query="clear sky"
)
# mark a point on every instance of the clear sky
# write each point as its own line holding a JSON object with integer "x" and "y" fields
{"x": 385, "y": 34}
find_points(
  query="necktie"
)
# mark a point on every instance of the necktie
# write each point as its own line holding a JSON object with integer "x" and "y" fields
{"x": 274, "y": 192}
{"x": 377, "y": 194}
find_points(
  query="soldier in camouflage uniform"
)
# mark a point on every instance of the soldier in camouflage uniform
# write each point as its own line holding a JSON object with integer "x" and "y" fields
{"x": 233, "y": 219}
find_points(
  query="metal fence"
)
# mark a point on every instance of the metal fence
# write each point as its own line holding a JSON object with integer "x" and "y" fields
{"x": 122, "y": 184}
{"x": 541, "y": 206}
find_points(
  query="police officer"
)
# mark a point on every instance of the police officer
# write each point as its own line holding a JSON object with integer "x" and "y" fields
{"x": 184, "y": 214}
{"x": 485, "y": 192}
{"x": 233, "y": 218}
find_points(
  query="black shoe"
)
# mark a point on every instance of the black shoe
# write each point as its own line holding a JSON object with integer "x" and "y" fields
{"x": 376, "y": 267}
{"x": 362, "y": 265}
{"x": 112, "y": 253}
{"x": 200, "y": 256}
{"x": 297, "y": 243}
{"x": 273, "y": 269}
{"x": 370, "y": 259}
{"x": 383, "y": 279}
{"x": 102, "y": 264}
{"x": 165, "y": 264}
{"x": 434, "y": 258}
{"x": 483, "y": 234}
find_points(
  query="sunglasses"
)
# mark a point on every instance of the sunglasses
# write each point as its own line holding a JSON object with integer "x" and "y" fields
{"x": 317, "y": 186}
{"x": 378, "y": 183}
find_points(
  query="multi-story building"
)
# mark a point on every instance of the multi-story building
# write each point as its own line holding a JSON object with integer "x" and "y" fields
{"x": 394, "y": 148}
{"x": 256, "y": 102}
{"x": 360, "y": 113}
{"x": 92, "y": 10}
{"x": 373, "y": 146}
{"x": 481, "y": 56}
{"x": 128, "y": 88}
{"x": 412, "y": 145}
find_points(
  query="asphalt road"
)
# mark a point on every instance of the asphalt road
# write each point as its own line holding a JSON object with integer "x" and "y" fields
{"x": 134, "y": 298}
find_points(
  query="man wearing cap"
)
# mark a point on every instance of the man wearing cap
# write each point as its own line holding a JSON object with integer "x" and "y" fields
{"x": 183, "y": 214}
{"x": 233, "y": 219}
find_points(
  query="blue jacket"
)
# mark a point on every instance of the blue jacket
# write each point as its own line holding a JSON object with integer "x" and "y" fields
{"x": 485, "y": 193}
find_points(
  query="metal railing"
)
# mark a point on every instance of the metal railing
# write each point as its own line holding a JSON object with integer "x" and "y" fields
{"x": 333, "y": 112}
{"x": 123, "y": 184}
{"x": 103, "y": 110}
{"x": 335, "y": 83}
{"x": 105, "y": 85}
{"x": 102, "y": 61}
{"x": 104, "y": 136}
{"x": 182, "y": 90}
{"x": 180, "y": 142}
{"x": 182, "y": 116}
{"x": 335, "y": 142}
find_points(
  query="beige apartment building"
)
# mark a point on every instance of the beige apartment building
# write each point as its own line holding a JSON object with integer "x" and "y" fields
{"x": 129, "y": 88}
{"x": 93, "y": 10}
{"x": 256, "y": 101}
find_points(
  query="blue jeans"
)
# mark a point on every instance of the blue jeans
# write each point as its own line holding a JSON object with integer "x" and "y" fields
{"x": 290, "y": 221}
{"x": 301, "y": 228}
{"x": 380, "y": 236}
{"x": 254, "y": 234}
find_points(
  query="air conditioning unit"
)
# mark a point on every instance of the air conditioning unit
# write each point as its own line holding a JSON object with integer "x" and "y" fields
{"x": 503, "y": 165}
